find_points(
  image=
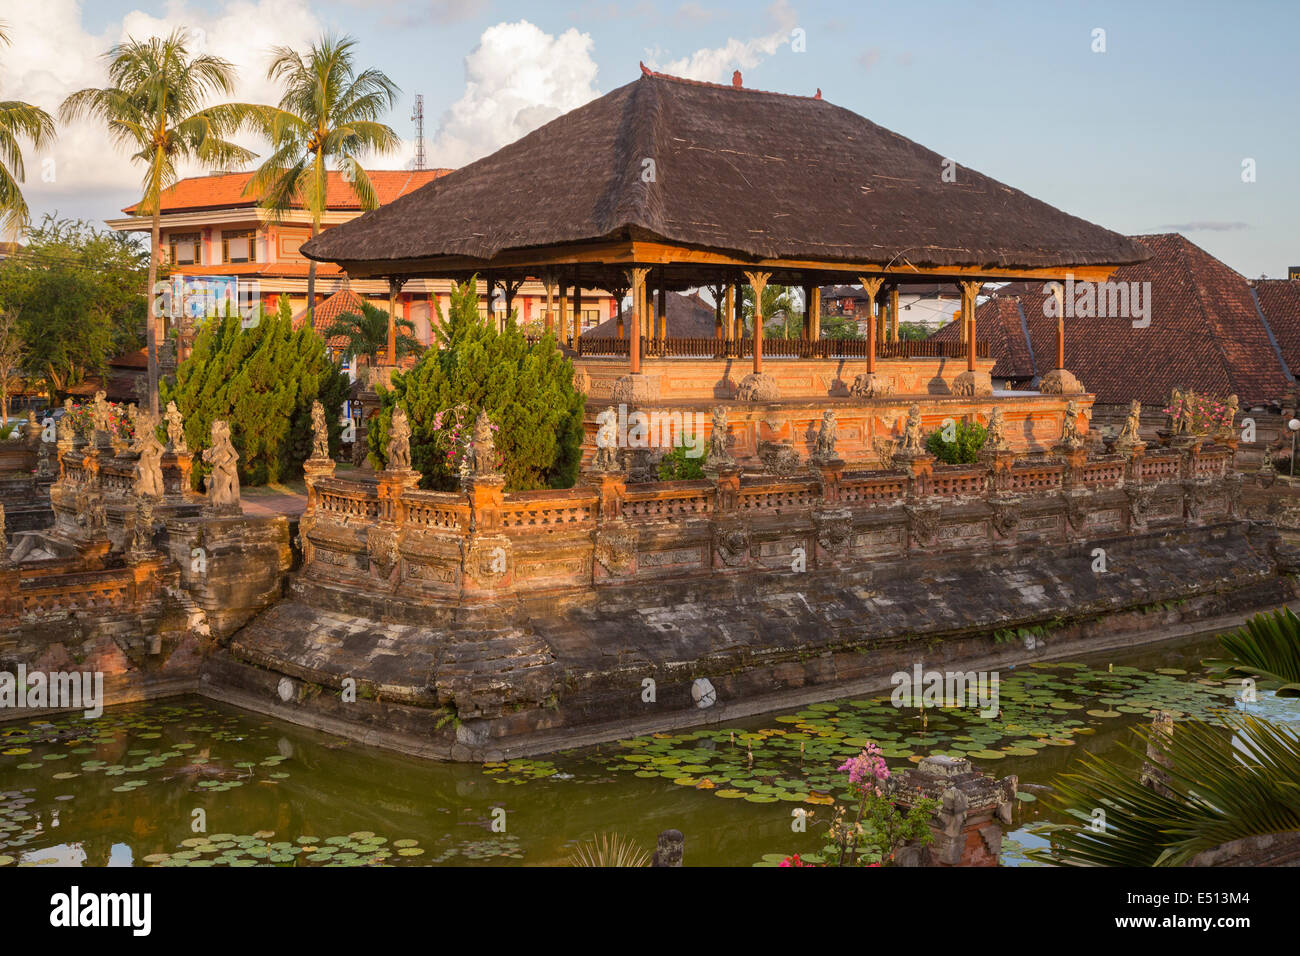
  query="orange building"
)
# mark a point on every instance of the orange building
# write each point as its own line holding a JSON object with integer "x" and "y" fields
{"x": 216, "y": 237}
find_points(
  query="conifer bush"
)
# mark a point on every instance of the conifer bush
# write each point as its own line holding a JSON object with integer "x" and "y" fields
{"x": 527, "y": 392}
{"x": 262, "y": 380}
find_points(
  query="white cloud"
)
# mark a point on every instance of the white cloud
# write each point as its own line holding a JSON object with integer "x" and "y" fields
{"x": 518, "y": 78}
{"x": 715, "y": 65}
{"x": 51, "y": 54}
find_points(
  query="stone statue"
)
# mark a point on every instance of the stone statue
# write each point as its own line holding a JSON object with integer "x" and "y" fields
{"x": 606, "y": 458}
{"x": 483, "y": 448}
{"x": 65, "y": 432}
{"x": 146, "y": 430}
{"x": 913, "y": 442}
{"x": 826, "y": 434}
{"x": 33, "y": 434}
{"x": 1178, "y": 402}
{"x": 99, "y": 415}
{"x": 1231, "y": 407}
{"x": 142, "y": 531}
{"x": 320, "y": 433}
{"x": 719, "y": 456}
{"x": 44, "y": 467}
{"x": 223, "y": 482}
{"x": 399, "y": 442}
{"x": 1130, "y": 434}
{"x": 996, "y": 438}
{"x": 148, "y": 467}
{"x": 1070, "y": 435}
{"x": 175, "y": 430}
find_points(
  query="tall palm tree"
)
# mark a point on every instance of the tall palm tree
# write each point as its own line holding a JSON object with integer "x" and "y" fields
{"x": 329, "y": 113}
{"x": 155, "y": 105}
{"x": 779, "y": 302}
{"x": 367, "y": 333}
{"x": 18, "y": 121}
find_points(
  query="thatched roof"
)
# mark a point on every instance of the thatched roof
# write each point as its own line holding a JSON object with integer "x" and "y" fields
{"x": 745, "y": 172}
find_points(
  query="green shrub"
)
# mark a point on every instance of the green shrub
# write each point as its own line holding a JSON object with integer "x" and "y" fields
{"x": 527, "y": 392}
{"x": 964, "y": 449}
{"x": 676, "y": 465}
{"x": 262, "y": 381}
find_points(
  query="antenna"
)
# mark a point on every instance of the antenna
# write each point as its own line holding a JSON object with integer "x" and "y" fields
{"x": 417, "y": 114}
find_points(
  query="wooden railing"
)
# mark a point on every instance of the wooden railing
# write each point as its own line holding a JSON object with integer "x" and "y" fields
{"x": 709, "y": 347}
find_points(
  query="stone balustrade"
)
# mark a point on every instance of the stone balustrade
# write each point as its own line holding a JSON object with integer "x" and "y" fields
{"x": 383, "y": 536}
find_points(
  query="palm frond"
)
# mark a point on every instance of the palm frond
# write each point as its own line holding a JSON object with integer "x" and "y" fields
{"x": 1268, "y": 647}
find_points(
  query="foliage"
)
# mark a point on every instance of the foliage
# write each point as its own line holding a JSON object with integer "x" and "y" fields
{"x": 964, "y": 449}
{"x": 609, "y": 849}
{"x": 12, "y": 351}
{"x": 879, "y": 827}
{"x": 912, "y": 332}
{"x": 527, "y": 392}
{"x": 1267, "y": 647}
{"x": 18, "y": 121}
{"x": 677, "y": 465}
{"x": 1223, "y": 784}
{"x": 74, "y": 295}
{"x": 782, "y": 318}
{"x": 367, "y": 333}
{"x": 262, "y": 381}
{"x": 841, "y": 328}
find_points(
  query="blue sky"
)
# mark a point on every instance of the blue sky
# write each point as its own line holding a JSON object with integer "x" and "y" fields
{"x": 1148, "y": 136}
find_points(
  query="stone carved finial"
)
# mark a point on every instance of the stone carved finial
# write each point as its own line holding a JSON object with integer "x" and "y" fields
{"x": 65, "y": 431}
{"x": 320, "y": 433}
{"x": 606, "y": 441}
{"x": 142, "y": 530}
{"x": 483, "y": 448}
{"x": 223, "y": 483}
{"x": 913, "y": 442}
{"x": 33, "y": 434}
{"x": 148, "y": 467}
{"x": 826, "y": 436}
{"x": 175, "y": 431}
{"x": 399, "y": 442}
{"x": 996, "y": 438}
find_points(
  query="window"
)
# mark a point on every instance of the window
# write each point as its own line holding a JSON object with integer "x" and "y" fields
{"x": 237, "y": 246}
{"x": 183, "y": 248}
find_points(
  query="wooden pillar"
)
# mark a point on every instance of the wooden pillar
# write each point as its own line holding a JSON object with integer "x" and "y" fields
{"x": 663, "y": 308}
{"x": 893, "y": 313}
{"x": 636, "y": 279}
{"x": 758, "y": 282}
{"x": 817, "y": 312}
{"x": 871, "y": 285}
{"x": 729, "y": 313}
{"x": 738, "y": 312}
{"x": 970, "y": 289}
{"x": 807, "y": 311}
{"x": 511, "y": 290}
{"x": 562, "y": 315}
{"x": 577, "y": 309}
{"x": 1058, "y": 293}
{"x": 394, "y": 286}
{"x": 548, "y": 281}
{"x": 619, "y": 293}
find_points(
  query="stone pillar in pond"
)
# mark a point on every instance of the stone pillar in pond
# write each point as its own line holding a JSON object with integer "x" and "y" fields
{"x": 670, "y": 849}
{"x": 967, "y": 829}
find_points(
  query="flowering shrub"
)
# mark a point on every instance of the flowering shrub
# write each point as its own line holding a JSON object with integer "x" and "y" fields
{"x": 81, "y": 417}
{"x": 872, "y": 828}
{"x": 1198, "y": 414}
{"x": 453, "y": 436}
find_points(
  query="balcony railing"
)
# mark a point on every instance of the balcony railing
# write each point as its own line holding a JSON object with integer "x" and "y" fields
{"x": 772, "y": 348}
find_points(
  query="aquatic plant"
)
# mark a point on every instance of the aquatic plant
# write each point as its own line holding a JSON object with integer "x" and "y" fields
{"x": 609, "y": 849}
{"x": 879, "y": 825}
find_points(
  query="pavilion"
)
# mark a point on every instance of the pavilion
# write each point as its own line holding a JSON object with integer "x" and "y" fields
{"x": 668, "y": 184}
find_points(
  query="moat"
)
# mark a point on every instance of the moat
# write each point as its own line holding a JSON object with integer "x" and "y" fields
{"x": 123, "y": 790}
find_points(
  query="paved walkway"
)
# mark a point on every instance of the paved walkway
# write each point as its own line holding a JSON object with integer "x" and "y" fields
{"x": 289, "y": 500}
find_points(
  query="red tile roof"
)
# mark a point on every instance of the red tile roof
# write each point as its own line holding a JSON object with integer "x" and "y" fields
{"x": 290, "y": 270}
{"x": 226, "y": 190}
{"x": 1205, "y": 334}
{"x": 1279, "y": 300}
{"x": 329, "y": 311}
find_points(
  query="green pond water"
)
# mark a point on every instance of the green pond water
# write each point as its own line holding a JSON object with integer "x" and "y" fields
{"x": 123, "y": 790}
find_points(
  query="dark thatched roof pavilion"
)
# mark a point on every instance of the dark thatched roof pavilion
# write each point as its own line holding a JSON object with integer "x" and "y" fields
{"x": 688, "y": 184}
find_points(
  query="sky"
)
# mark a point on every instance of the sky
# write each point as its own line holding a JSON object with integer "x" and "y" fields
{"x": 1142, "y": 116}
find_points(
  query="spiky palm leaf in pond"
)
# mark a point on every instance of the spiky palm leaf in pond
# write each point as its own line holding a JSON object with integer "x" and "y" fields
{"x": 1268, "y": 647}
{"x": 609, "y": 849}
{"x": 1219, "y": 784}
{"x": 367, "y": 333}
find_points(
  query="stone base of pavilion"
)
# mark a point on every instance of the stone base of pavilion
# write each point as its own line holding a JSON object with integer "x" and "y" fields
{"x": 687, "y": 390}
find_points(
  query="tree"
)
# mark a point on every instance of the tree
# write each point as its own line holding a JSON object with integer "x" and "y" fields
{"x": 912, "y": 332}
{"x": 18, "y": 121}
{"x": 840, "y": 328}
{"x": 74, "y": 293}
{"x": 262, "y": 381}
{"x": 367, "y": 333}
{"x": 527, "y": 392}
{"x": 11, "y": 360}
{"x": 154, "y": 105}
{"x": 328, "y": 113}
{"x": 781, "y": 311}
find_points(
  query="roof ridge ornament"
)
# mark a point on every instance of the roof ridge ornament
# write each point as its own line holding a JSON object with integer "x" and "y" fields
{"x": 736, "y": 80}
